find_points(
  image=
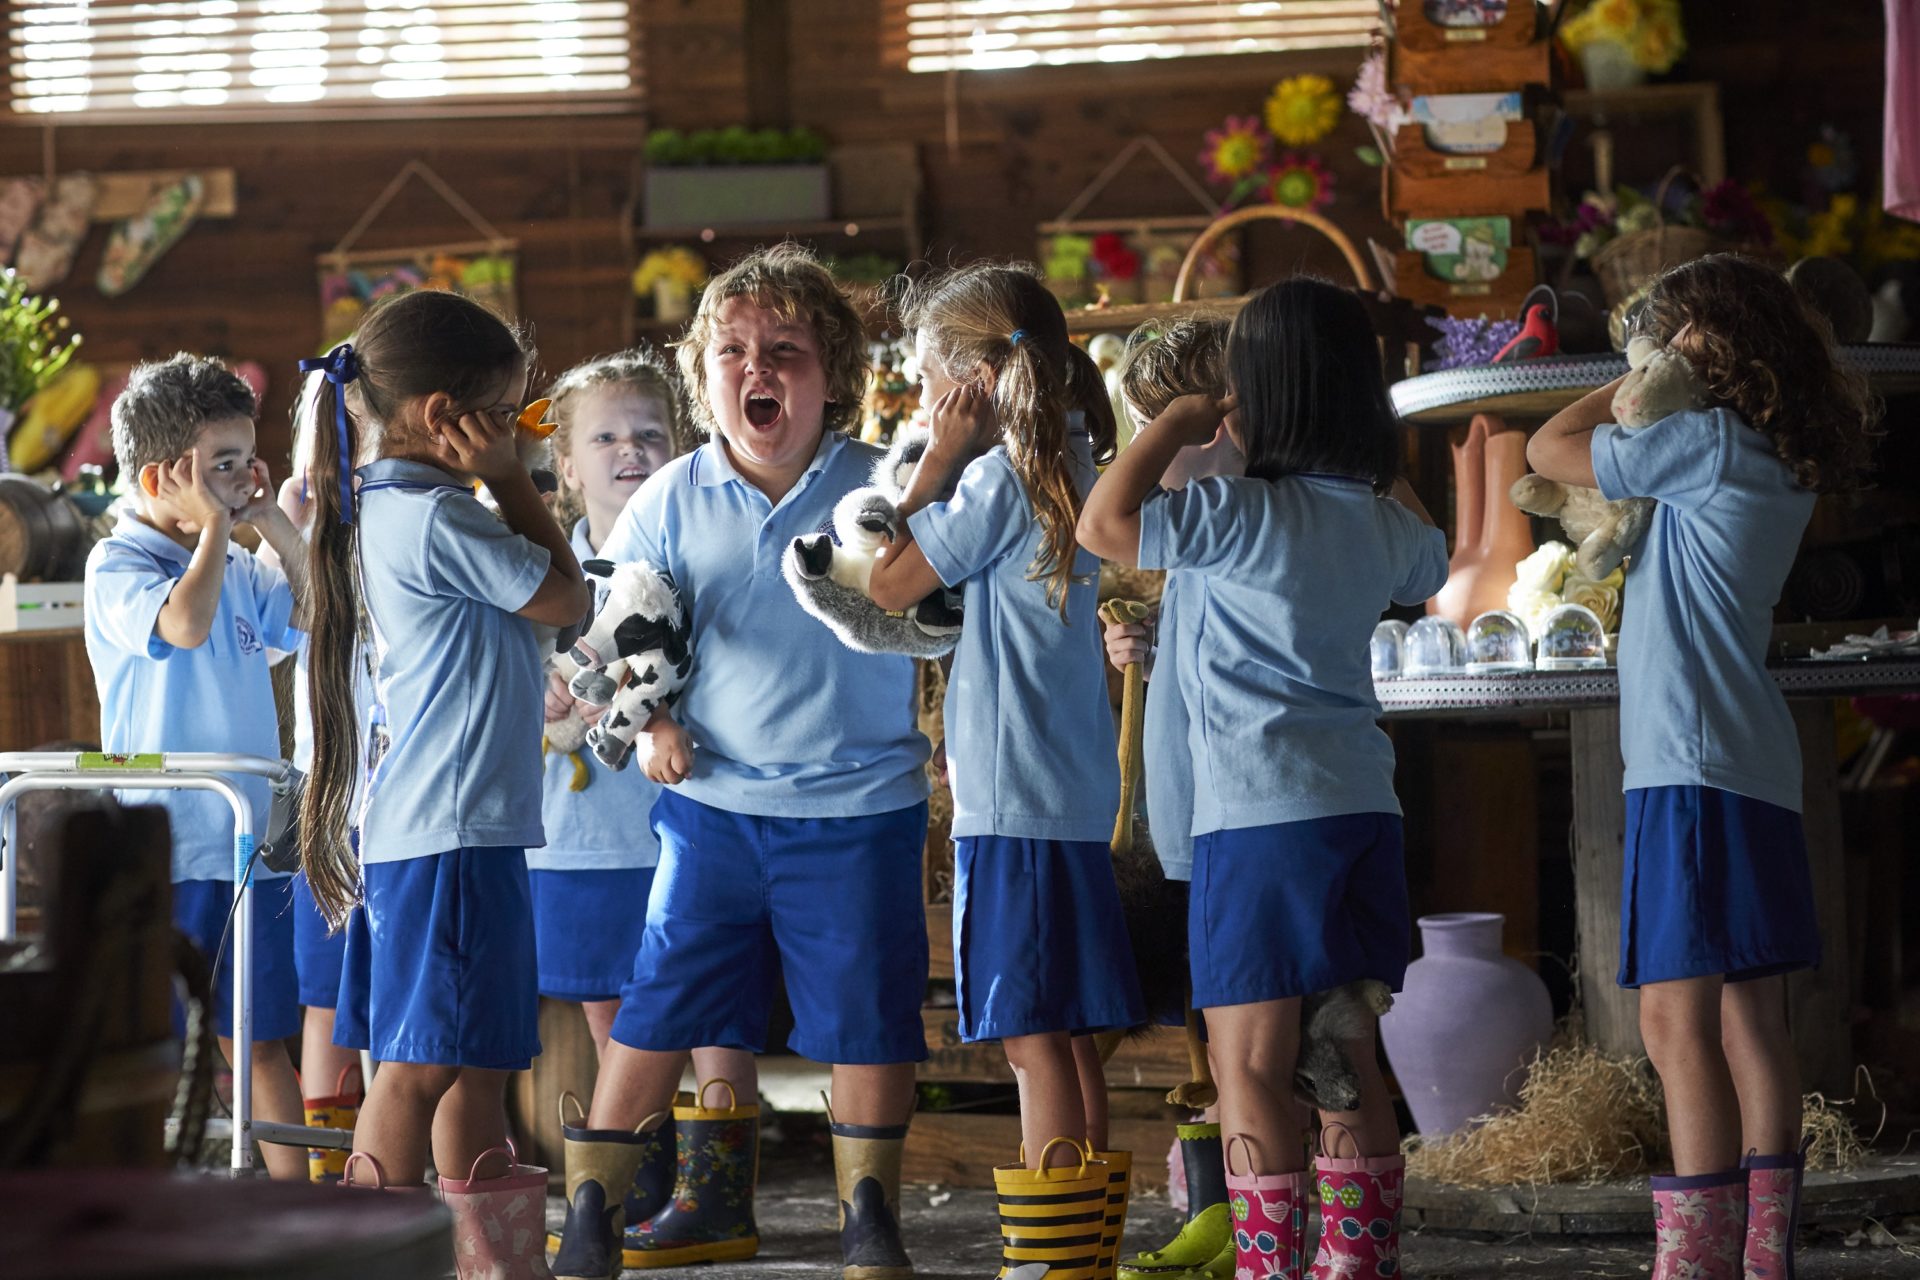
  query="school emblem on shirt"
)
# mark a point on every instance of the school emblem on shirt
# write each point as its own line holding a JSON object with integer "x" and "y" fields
{"x": 248, "y": 637}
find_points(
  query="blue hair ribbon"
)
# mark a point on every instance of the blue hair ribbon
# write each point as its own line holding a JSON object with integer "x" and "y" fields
{"x": 340, "y": 367}
{"x": 1013, "y": 339}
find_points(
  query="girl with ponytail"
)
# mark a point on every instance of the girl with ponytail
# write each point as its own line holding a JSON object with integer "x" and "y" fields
{"x": 1040, "y": 949}
{"x": 439, "y": 977}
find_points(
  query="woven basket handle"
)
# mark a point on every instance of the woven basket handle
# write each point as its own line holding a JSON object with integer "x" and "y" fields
{"x": 1660, "y": 197}
{"x": 1261, "y": 212}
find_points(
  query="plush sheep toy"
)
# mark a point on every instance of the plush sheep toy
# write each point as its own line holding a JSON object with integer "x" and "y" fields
{"x": 1662, "y": 382}
{"x": 640, "y": 657}
{"x": 830, "y": 580}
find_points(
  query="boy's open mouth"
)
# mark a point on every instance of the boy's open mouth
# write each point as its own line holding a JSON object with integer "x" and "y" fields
{"x": 762, "y": 411}
{"x": 630, "y": 473}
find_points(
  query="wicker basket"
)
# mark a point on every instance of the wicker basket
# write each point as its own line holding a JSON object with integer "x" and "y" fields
{"x": 1626, "y": 262}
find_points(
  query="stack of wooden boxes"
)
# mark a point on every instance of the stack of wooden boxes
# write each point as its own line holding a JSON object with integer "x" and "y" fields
{"x": 1474, "y": 189}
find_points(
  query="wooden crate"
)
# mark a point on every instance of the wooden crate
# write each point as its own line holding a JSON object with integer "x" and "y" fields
{"x": 1412, "y": 29}
{"x": 1494, "y": 298}
{"x": 1415, "y": 158}
{"x": 1469, "y": 68}
{"x": 1487, "y": 193}
{"x": 1156, "y": 1059}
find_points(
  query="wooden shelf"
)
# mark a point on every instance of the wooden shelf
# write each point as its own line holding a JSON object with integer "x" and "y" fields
{"x": 1132, "y": 315}
{"x": 845, "y": 228}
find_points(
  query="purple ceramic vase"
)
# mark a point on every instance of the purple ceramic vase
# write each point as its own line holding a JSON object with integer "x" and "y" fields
{"x": 1463, "y": 1030}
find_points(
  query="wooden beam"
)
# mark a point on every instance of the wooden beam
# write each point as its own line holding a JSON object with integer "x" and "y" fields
{"x": 1819, "y": 1006}
{"x": 1599, "y": 830}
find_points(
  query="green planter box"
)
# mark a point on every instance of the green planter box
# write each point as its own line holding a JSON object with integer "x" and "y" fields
{"x": 730, "y": 195}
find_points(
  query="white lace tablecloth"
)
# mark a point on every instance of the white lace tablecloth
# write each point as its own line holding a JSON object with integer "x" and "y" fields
{"x": 1570, "y": 690}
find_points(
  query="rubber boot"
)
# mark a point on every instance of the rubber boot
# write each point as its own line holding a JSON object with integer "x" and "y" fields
{"x": 611, "y": 1173}
{"x": 1359, "y": 1217}
{"x": 1207, "y": 1235}
{"x": 1773, "y": 1212}
{"x": 709, "y": 1217}
{"x": 866, "y": 1168}
{"x": 1052, "y": 1220}
{"x": 340, "y": 1110}
{"x": 1269, "y": 1218}
{"x": 349, "y": 1177}
{"x": 1699, "y": 1226}
{"x": 1119, "y": 1192}
{"x": 499, "y": 1223}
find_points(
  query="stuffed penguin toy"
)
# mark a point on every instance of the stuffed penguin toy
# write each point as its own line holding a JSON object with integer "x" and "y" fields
{"x": 830, "y": 578}
{"x": 1662, "y": 382}
{"x": 640, "y": 656}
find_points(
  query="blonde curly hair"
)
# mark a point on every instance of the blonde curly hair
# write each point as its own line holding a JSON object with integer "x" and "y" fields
{"x": 789, "y": 281}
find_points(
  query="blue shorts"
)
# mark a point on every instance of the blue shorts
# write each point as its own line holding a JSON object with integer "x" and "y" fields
{"x": 316, "y": 953}
{"x": 835, "y": 902}
{"x": 587, "y": 926}
{"x": 1039, "y": 941}
{"x": 1714, "y": 883}
{"x": 200, "y": 910}
{"x": 439, "y": 965}
{"x": 1298, "y": 907}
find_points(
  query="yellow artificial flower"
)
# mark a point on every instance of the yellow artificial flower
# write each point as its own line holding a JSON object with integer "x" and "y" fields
{"x": 1659, "y": 43}
{"x": 1303, "y": 110}
{"x": 1617, "y": 18}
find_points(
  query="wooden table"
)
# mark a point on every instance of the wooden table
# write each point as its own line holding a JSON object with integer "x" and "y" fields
{"x": 1819, "y": 1008}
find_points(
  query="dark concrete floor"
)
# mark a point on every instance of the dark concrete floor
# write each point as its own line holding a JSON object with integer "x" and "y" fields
{"x": 957, "y": 1238}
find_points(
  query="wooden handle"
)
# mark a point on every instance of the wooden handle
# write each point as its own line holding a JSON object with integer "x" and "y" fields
{"x": 1133, "y": 711}
{"x": 1262, "y": 212}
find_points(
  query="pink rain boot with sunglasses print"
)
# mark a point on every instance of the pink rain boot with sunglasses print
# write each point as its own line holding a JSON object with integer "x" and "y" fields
{"x": 1773, "y": 1212}
{"x": 499, "y": 1223}
{"x": 1269, "y": 1218}
{"x": 1699, "y": 1226}
{"x": 1359, "y": 1212}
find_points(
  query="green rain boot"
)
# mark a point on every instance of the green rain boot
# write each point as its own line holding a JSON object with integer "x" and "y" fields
{"x": 612, "y": 1175}
{"x": 866, "y": 1167}
{"x": 1205, "y": 1242}
{"x": 709, "y": 1217}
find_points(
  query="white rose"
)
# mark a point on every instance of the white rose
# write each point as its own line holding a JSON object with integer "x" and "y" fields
{"x": 1546, "y": 568}
{"x": 1532, "y": 605}
{"x": 1603, "y": 599}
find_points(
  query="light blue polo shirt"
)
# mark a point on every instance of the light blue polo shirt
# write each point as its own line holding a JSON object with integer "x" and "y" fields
{"x": 1283, "y": 582}
{"x": 1030, "y": 741}
{"x": 787, "y": 722}
{"x": 606, "y": 826}
{"x": 1697, "y": 707}
{"x": 216, "y": 697}
{"x": 1166, "y": 745}
{"x": 458, "y": 676}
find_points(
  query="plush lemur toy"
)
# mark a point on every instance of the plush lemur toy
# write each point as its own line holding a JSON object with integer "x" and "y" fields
{"x": 640, "y": 637}
{"x": 830, "y": 581}
{"x": 1662, "y": 382}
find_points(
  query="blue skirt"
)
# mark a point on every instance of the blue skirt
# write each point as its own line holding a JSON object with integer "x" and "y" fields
{"x": 200, "y": 910}
{"x": 316, "y": 953}
{"x": 440, "y": 963}
{"x": 1039, "y": 940}
{"x": 1298, "y": 907}
{"x": 587, "y": 926}
{"x": 1714, "y": 883}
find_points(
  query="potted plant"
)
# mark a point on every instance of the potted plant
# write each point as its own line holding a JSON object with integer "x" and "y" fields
{"x": 670, "y": 277}
{"x": 734, "y": 176}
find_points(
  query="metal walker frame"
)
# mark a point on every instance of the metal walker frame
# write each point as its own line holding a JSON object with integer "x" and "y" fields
{"x": 172, "y": 771}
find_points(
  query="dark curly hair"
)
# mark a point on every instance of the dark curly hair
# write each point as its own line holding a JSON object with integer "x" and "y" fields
{"x": 1766, "y": 356}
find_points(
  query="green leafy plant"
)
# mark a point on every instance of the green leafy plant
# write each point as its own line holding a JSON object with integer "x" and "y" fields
{"x": 35, "y": 344}
{"x": 733, "y": 145}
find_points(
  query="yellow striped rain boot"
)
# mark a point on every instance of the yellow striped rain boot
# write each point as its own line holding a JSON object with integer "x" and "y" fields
{"x": 1119, "y": 1192}
{"x": 866, "y": 1167}
{"x": 1205, "y": 1242}
{"x": 710, "y": 1216}
{"x": 339, "y": 1111}
{"x": 614, "y": 1177}
{"x": 1052, "y": 1220}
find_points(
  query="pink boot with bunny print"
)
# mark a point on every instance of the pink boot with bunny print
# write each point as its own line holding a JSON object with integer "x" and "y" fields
{"x": 499, "y": 1223}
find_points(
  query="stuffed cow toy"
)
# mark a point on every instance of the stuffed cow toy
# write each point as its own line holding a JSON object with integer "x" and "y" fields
{"x": 1661, "y": 382}
{"x": 830, "y": 578}
{"x": 636, "y": 655}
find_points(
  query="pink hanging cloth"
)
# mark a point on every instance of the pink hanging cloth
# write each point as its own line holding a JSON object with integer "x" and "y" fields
{"x": 1901, "y": 143}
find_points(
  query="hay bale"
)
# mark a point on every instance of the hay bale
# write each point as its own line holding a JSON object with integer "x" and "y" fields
{"x": 1583, "y": 1117}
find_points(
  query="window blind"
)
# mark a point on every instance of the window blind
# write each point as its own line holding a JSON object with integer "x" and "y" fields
{"x": 974, "y": 35}
{"x": 214, "y": 56}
